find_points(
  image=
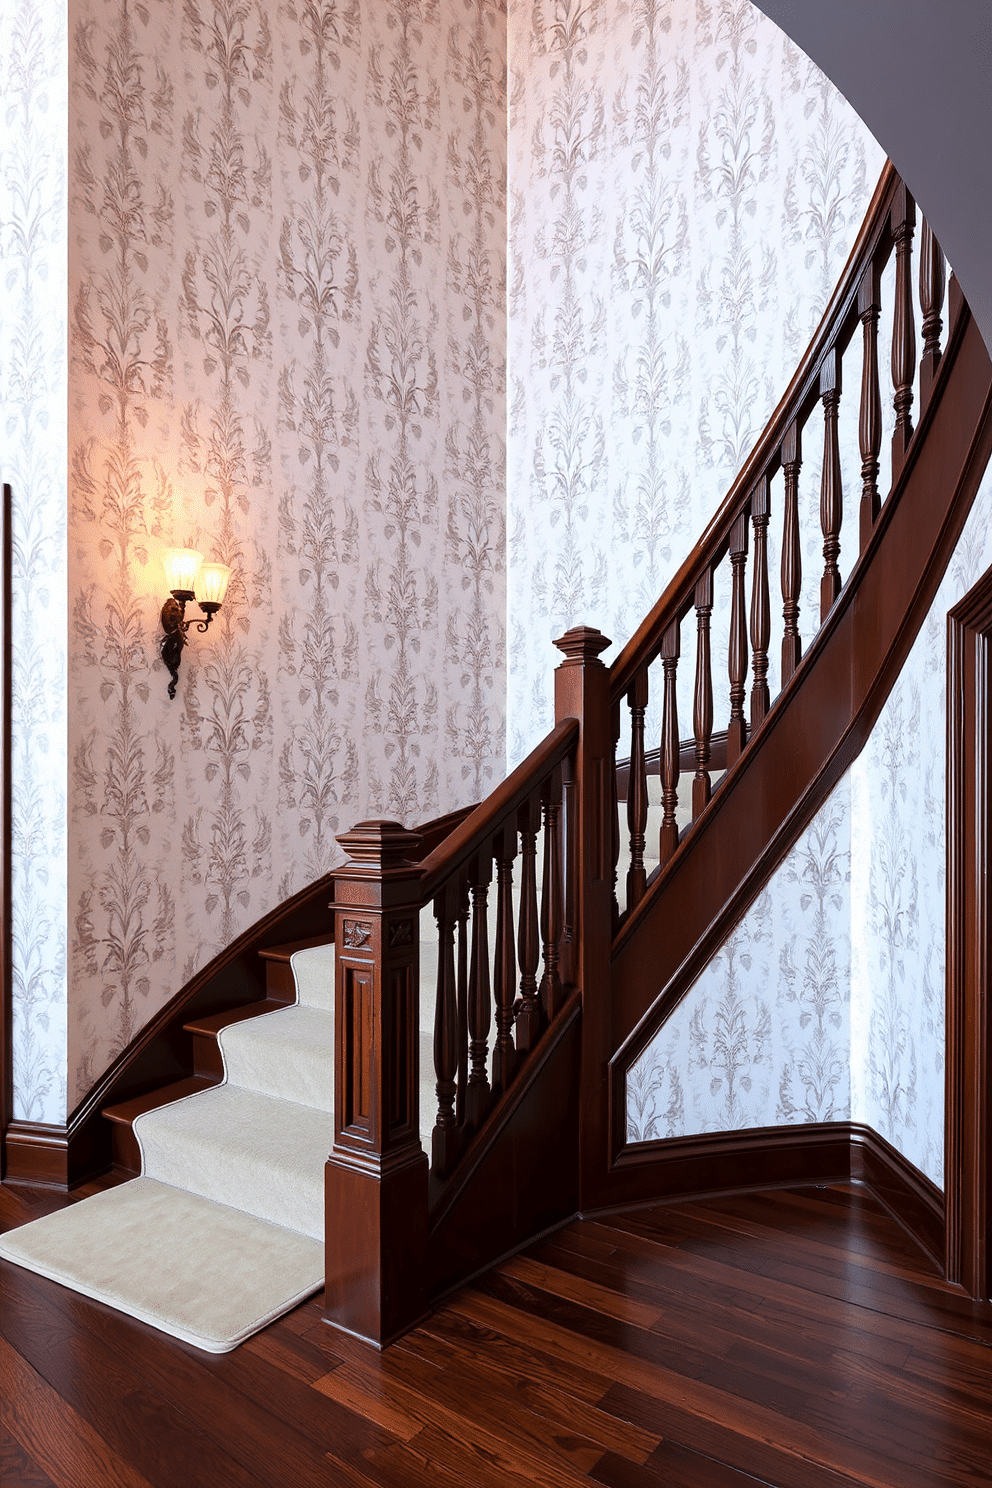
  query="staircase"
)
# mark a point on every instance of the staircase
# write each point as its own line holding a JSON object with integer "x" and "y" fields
{"x": 497, "y": 972}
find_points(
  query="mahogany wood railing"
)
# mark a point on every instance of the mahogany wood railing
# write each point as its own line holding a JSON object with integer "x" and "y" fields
{"x": 503, "y": 968}
{"x": 747, "y": 514}
{"x": 515, "y": 973}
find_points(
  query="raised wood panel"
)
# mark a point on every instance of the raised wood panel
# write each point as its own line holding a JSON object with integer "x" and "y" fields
{"x": 523, "y": 1176}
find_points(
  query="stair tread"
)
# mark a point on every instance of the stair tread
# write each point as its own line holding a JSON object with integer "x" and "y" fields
{"x": 254, "y": 1152}
{"x": 289, "y": 1055}
{"x": 125, "y": 1111}
{"x": 289, "y": 949}
{"x": 210, "y": 1025}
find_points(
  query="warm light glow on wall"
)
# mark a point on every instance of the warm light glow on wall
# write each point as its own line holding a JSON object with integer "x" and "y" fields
{"x": 181, "y": 568}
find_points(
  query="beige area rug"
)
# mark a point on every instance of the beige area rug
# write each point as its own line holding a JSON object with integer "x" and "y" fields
{"x": 224, "y": 1230}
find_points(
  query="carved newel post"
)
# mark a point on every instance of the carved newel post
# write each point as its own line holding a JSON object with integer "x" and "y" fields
{"x": 582, "y": 691}
{"x": 375, "y": 1180}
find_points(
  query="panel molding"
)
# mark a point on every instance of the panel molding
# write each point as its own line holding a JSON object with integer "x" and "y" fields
{"x": 968, "y": 1067}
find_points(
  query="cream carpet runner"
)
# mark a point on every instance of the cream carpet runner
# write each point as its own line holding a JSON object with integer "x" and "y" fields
{"x": 224, "y": 1230}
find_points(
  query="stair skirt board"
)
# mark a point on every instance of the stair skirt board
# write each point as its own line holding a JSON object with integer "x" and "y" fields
{"x": 223, "y": 1232}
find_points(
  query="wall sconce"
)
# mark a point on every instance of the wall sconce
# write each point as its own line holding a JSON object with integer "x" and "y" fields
{"x": 185, "y": 571}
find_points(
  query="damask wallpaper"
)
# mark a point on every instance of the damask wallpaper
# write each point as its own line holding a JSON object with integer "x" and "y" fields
{"x": 287, "y": 252}
{"x": 684, "y": 187}
{"x": 33, "y": 330}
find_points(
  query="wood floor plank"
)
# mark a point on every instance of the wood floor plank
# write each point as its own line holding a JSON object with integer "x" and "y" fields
{"x": 270, "y": 1424}
{"x": 52, "y": 1434}
{"x": 672, "y": 1466}
{"x": 100, "y": 1387}
{"x": 17, "y": 1469}
{"x": 793, "y": 1337}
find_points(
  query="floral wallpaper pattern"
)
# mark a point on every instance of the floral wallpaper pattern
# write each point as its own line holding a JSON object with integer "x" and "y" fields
{"x": 763, "y": 1036}
{"x": 684, "y": 188}
{"x": 33, "y": 329}
{"x": 286, "y": 270}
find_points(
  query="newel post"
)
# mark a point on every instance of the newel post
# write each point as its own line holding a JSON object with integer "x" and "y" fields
{"x": 375, "y": 1179}
{"x": 582, "y": 691}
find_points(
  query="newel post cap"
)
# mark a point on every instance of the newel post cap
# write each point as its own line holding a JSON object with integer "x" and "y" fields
{"x": 581, "y": 645}
{"x": 380, "y": 844}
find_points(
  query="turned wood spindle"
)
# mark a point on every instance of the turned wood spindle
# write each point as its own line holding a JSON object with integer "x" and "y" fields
{"x": 551, "y": 902}
{"x": 477, "y": 1094}
{"x": 461, "y": 978}
{"x": 870, "y": 419}
{"x": 669, "y": 836}
{"x": 792, "y": 556}
{"x": 737, "y": 648}
{"x": 637, "y": 789}
{"x": 932, "y": 285}
{"x": 702, "y": 700}
{"x": 761, "y": 609}
{"x": 903, "y": 327}
{"x": 528, "y": 942}
{"x": 831, "y": 493}
{"x": 504, "y": 961}
{"x": 444, "y": 1139}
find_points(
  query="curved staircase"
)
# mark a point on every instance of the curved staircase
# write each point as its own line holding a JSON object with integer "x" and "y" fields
{"x": 554, "y": 944}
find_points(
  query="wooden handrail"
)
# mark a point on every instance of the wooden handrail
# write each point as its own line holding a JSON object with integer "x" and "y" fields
{"x": 474, "y": 831}
{"x": 836, "y": 328}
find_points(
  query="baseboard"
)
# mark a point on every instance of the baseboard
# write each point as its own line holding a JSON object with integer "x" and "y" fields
{"x": 715, "y": 1162}
{"x": 37, "y": 1153}
{"x": 910, "y": 1196}
{"x": 773, "y": 1156}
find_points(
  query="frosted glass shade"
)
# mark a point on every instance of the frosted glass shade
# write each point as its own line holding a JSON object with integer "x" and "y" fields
{"x": 181, "y": 568}
{"x": 211, "y": 584}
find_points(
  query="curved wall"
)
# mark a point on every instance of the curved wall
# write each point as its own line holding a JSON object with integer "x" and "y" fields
{"x": 927, "y": 104}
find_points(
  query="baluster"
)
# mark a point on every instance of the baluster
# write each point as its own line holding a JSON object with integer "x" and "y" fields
{"x": 551, "y": 916}
{"x": 504, "y": 962}
{"x": 870, "y": 422}
{"x": 761, "y": 610}
{"x": 462, "y": 994}
{"x": 737, "y": 649}
{"x": 831, "y": 494}
{"x": 702, "y": 702}
{"x": 932, "y": 285}
{"x": 637, "y": 789}
{"x": 444, "y": 1141}
{"x": 477, "y": 1093}
{"x": 669, "y": 839}
{"x": 792, "y": 556}
{"x": 903, "y": 328}
{"x": 528, "y": 944}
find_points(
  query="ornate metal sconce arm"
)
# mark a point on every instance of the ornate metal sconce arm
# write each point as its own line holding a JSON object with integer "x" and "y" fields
{"x": 175, "y": 625}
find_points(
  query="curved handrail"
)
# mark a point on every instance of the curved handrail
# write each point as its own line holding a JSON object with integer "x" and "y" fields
{"x": 836, "y": 328}
{"x": 476, "y": 830}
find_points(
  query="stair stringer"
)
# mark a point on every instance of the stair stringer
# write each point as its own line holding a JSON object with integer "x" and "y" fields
{"x": 816, "y": 729}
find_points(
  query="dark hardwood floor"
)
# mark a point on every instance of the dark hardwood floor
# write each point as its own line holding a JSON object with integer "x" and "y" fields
{"x": 794, "y": 1337}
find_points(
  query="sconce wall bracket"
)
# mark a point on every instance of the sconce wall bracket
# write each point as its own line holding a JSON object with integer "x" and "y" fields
{"x": 175, "y": 625}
